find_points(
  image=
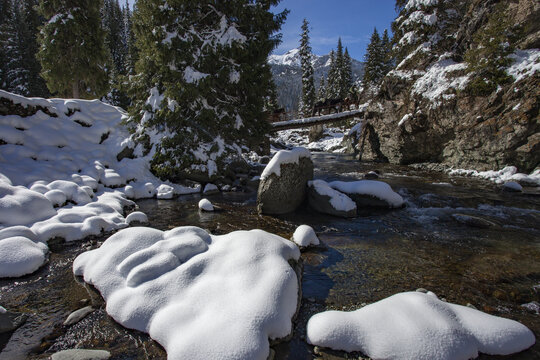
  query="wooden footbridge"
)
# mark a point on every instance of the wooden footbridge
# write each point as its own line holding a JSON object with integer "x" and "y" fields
{"x": 278, "y": 124}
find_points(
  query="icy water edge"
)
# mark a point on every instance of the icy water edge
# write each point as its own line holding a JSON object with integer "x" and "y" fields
{"x": 496, "y": 268}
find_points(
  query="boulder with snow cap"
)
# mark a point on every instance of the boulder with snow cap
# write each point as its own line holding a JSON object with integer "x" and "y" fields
{"x": 326, "y": 200}
{"x": 283, "y": 185}
{"x": 369, "y": 193}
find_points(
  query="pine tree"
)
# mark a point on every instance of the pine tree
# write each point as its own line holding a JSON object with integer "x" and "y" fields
{"x": 386, "y": 49}
{"x": 347, "y": 74}
{"x": 5, "y": 19}
{"x": 73, "y": 55}
{"x": 332, "y": 84}
{"x": 202, "y": 81}
{"x": 321, "y": 93}
{"x": 308, "y": 83}
{"x": 128, "y": 39}
{"x": 374, "y": 59}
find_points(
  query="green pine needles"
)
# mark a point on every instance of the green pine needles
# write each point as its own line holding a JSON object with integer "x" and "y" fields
{"x": 202, "y": 82}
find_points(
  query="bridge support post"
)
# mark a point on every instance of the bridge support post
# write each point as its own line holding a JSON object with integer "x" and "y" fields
{"x": 315, "y": 132}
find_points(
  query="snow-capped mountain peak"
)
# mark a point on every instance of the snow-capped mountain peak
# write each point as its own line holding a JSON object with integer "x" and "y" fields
{"x": 290, "y": 58}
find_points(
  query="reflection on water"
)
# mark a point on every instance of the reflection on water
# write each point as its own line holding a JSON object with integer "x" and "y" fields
{"x": 461, "y": 238}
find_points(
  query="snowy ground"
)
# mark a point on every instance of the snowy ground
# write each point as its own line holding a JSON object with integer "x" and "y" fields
{"x": 60, "y": 177}
{"x": 330, "y": 142}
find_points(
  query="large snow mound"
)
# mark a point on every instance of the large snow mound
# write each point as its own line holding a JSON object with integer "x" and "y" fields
{"x": 415, "y": 325}
{"x": 284, "y": 157}
{"x": 20, "y": 206}
{"x": 199, "y": 295}
{"x": 378, "y": 189}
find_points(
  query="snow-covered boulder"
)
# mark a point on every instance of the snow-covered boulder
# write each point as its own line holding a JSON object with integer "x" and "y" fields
{"x": 201, "y": 296}
{"x": 284, "y": 181}
{"x": 415, "y": 325}
{"x": 210, "y": 189}
{"x": 20, "y": 206}
{"x": 304, "y": 236}
{"x": 165, "y": 191}
{"x": 369, "y": 193}
{"x": 20, "y": 256}
{"x": 206, "y": 205}
{"x": 137, "y": 216}
{"x": 326, "y": 200}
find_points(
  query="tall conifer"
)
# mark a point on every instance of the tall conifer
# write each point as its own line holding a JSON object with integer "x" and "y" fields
{"x": 72, "y": 53}
{"x": 202, "y": 81}
{"x": 308, "y": 83}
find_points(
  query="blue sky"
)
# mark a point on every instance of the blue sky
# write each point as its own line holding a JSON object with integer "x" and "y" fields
{"x": 352, "y": 20}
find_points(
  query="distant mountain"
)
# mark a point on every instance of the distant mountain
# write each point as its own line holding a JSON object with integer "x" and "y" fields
{"x": 288, "y": 75}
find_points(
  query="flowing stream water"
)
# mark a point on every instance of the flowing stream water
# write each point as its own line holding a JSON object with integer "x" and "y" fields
{"x": 462, "y": 238}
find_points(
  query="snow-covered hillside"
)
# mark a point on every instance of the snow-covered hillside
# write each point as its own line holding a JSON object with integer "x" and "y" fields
{"x": 62, "y": 175}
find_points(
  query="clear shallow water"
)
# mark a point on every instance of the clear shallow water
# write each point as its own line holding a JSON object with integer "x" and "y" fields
{"x": 365, "y": 259}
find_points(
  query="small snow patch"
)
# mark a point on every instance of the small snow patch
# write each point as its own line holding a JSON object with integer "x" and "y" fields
{"x": 137, "y": 216}
{"x": 206, "y": 205}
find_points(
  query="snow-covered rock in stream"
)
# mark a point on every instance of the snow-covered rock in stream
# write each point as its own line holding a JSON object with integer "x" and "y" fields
{"x": 326, "y": 200}
{"x": 20, "y": 256}
{"x": 137, "y": 217}
{"x": 414, "y": 325}
{"x": 206, "y": 205}
{"x": 512, "y": 186}
{"x": 201, "y": 296}
{"x": 284, "y": 181}
{"x": 368, "y": 193}
{"x": 304, "y": 236}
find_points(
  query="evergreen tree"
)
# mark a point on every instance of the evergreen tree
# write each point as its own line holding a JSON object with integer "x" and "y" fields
{"x": 347, "y": 74}
{"x": 5, "y": 20}
{"x": 386, "y": 49}
{"x": 332, "y": 83}
{"x": 202, "y": 81}
{"x": 128, "y": 39}
{"x": 488, "y": 56}
{"x": 321, "y": 93}
{"x": 308, "y": 84}
{"x": 374, "y": 59}
{"x": 21, "y": 68}
{"x": 73, "y": 55}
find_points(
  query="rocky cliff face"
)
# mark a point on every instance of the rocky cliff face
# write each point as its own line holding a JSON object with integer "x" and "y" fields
{"x": 424, "y": 112}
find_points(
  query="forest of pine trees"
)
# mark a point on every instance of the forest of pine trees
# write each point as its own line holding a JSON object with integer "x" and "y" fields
{"x": 339, "y": 82}
{"x": 378, "y": 58}
{"x": 82, "y": 52}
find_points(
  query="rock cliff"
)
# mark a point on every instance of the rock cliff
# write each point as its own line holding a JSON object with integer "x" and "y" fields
{"x": 425, "y": 110}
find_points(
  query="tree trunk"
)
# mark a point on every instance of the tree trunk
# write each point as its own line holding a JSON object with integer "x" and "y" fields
{"x": 75, "y": 87}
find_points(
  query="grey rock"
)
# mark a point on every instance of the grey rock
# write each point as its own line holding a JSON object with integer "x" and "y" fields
{"x": 10, "y": 321}
{"x": 422, "y": 290}
{"x": 81, "y": 354}
{"x": 283, "y": 194}
{"x": 78, "y": 315}
{"x": 321, "y": 203}
{"x": 372, "y": 175}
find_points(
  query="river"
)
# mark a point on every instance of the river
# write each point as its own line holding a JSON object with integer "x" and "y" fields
{"x": 462, "y": 238}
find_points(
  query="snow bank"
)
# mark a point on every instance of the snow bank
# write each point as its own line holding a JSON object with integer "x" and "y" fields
{"x": 65, "y": 155}
{"x": 20, "y": 206}
{"x": 378, "y": 189}
{"x": 415, "y": 325}
{"x": 304, "y": 236}
{"x": 21, "y": 256}
{"x": 339, "y": 201}
{"x": 199, "y": 295}
{"x": 509, "y": 173}
{"x": 284, "y": 157}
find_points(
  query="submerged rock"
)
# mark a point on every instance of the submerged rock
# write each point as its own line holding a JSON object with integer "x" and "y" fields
{"x": 78, "y": 315}
{"x": 284, "y": 181}
{"x": 10, "y": 321}
{"x": 81, "y": 354}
